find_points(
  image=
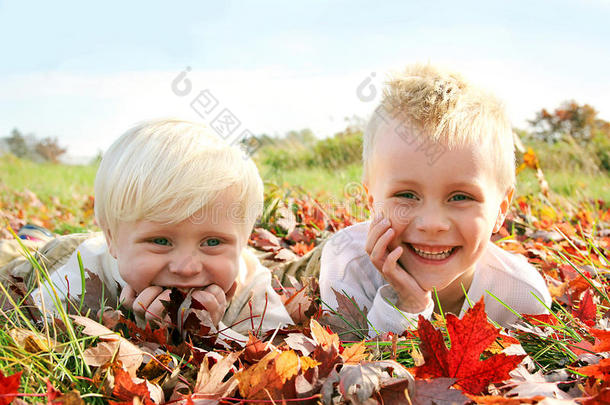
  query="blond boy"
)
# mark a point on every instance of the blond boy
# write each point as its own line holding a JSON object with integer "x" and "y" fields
{"x": 439, "y": 172}
{"x": 176, "y": 206}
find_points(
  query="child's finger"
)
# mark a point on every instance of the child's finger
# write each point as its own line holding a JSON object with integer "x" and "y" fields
{"x": 390, "y": 264}
{"x": 379, "y": 252}
{"x": 156, "y": 310}
{"x": 376, "y": 230}
{"x": 218, "y": 293}
{"x": 145, "y": 298}
{"x": 128, "y": 296}
{"x": 214, "y": 305}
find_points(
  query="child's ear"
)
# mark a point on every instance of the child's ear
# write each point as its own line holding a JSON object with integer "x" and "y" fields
{"x": 504, "y": 206}
{"x": 110, "y": 242}
{"x": 369, "y": 198}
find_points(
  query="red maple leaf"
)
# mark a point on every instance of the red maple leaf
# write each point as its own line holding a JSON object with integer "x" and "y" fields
{"x": 587, "y": 310}
{"x": 470, "y": 336}
{"x": 9, "y": 387}
{"x": 602, "y": 340}
{"x": 125, "y": 390}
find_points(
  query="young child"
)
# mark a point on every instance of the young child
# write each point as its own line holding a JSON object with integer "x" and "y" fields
{"x": 176, "y": 206}
{"x": 439, "y": 173}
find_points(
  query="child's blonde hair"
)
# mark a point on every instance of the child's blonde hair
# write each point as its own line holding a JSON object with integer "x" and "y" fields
{"x": 443, "y": 108}
{"x": 169, "y": 170}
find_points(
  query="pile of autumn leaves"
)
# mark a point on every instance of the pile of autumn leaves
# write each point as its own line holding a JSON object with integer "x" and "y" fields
{"x": 563, "y": 356}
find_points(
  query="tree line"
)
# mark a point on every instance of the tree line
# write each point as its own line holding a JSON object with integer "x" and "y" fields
{"x": 30, "y": 147}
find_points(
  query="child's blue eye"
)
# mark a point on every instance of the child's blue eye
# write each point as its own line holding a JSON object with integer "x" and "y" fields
{"x": 160, "y": 241}
{"x": 408, "y": 194}
{"x": 212, "y": 242}
{"x": 460, "y": 197}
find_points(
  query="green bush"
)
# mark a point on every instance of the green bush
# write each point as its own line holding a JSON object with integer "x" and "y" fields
{"x": 343, "y": 149}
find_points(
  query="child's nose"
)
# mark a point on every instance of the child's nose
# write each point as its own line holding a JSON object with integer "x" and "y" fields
{"x": 431, "y": 220}
{"x": 186, "y": 265}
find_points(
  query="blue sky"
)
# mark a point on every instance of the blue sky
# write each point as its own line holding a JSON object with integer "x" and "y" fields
{"x": 86, "y": 73}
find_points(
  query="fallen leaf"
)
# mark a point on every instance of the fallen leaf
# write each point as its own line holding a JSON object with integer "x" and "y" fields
{"x": 349, "y": 321}
{"x": 33, "y": 342}
{"x": 437, "y": 392}
{"x": 300, "y": 342}
{"x": 358, "y": 382}
{"x": 212, "y": 383}
{"x": 323, "y": 337}
{"x": 395, "y": 390}
{"x": 255, "y": 349}
{"x": 259, "y": 377}
{"x": 603, "y": 345}
{"x": 126, "y": 390}
{"x": 301, "y": 305}
{"x": 156, "y": 368}
{"x": 470, "y": 336}
{"x": 354, "y": 354}
{"x": 115, "y": 350}
{"x": 587, "y": 310}
{"x": 9, "y": 387}
{"x": 527, "y": 385}
{"x": 265, "y": 240}
{"x": 285, "y": 219}
{"x": 600, "y": 370}
{"x": 602, "y": 398}
{"x": 287, "y": 365}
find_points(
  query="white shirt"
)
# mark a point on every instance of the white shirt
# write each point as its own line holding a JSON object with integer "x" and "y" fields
{"x": 346, "y": 267}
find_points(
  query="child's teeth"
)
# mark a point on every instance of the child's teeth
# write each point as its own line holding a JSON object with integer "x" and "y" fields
{"x": 434, "y": 256}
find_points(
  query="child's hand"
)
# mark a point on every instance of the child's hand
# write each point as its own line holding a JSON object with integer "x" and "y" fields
{"x": 214, "y": 299}
{"x": 411, "y": 297}
{"x": 147, "y": 305}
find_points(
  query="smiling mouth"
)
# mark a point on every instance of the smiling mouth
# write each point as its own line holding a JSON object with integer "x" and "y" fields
{"x": 433, "y": 254}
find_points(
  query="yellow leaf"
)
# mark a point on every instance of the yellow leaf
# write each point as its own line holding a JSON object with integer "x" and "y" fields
{"x": 308, "y": 362}
{"x": 287, "y": 365}
{"x": 322, "y": 337}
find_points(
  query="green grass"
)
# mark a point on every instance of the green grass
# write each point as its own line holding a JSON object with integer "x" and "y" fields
{"x": 577, "y": 186}
{"x": 317, "y": 181}
{"x": 64, "y": 182}
{"x": 46, "y": 179}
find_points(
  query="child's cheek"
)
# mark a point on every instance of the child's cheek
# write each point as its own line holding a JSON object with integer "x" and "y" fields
{"x": 399, "y": 216}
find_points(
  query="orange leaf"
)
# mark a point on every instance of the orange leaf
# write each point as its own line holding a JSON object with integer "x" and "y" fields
{"x": 259, "y": 378}
{"x": 126, "y": 390}
{"x": 600, "y": 370}
{"x": 354, "y": 354}
{"x": 255, "y": 349}
{"x": 604, "y": 340}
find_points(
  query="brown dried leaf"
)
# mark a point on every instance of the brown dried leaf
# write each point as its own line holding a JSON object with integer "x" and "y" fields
{"x": 349, "y": 321}
{"x": 300, "y": 342}
{"x": 437, "y": 392}
{"x": 210, "y": 381}
{"x": 300, "y": 306}
{"x": 33, "y": 342}
{"x": 126, "y": 352}
{"x": 115, "y": 350}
